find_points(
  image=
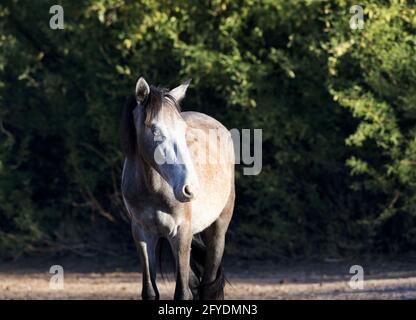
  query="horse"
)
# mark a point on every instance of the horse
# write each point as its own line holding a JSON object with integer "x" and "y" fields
{"x": 171, "y": 192}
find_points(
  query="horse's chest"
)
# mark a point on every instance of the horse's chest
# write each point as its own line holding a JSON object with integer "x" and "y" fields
{"x": 147, "y": 211}
{"x": 159, "y": 222}
{"x": 153, "y": 219}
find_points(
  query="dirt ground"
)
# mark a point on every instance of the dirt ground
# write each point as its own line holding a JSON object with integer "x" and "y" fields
{"x": 113, "y": 278}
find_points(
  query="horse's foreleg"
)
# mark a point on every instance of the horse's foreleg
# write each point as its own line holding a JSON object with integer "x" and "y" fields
{"x": 146, "y": 246}
{"x": 181, "y": 247}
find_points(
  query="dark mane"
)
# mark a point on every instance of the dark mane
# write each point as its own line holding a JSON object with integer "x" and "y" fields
{"x": 152, "y": 104}
{"x": 127, "y": 128}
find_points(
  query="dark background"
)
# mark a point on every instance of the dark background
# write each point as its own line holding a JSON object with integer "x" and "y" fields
{"x": 337, "y": 107}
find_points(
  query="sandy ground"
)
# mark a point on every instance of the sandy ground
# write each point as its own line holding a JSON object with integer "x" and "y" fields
{"x": 93, "y": 279}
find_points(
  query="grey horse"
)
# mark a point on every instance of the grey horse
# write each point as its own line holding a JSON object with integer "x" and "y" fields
{"x": 172, "y": 190}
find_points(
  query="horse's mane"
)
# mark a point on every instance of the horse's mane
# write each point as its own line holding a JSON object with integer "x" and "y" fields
{"x": 152, "y": 104}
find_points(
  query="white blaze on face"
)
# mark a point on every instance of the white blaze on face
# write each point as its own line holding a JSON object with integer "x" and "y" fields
{"x": 172, "y": 153}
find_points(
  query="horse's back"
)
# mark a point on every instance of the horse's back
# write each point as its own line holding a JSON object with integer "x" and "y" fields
{"x": 212, "y": 151}
{"x": 201, "y": 120}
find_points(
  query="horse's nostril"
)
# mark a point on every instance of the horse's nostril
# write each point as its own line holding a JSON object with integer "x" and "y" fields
{"x": 187, "y": 192}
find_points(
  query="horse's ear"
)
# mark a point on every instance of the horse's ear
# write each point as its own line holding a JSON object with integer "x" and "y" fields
{"x": 179, "y": 92}
{"x": 142, "y": 90}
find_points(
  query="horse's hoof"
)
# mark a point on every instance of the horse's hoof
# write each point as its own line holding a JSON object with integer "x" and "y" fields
{"x": 149, "y": 296}
{"x": 209, "y": 293}
{"x": 186, "y": 295}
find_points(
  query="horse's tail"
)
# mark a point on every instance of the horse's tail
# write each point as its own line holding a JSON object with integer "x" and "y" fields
{"x": 210, "y": 291}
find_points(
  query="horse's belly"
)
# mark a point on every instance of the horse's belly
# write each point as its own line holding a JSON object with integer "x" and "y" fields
{"x": 206, "y": 209}
{"x": 203, "y": 219}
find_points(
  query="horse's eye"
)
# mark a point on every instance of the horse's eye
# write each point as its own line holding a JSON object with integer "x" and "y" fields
{"x": 157, "y": 133}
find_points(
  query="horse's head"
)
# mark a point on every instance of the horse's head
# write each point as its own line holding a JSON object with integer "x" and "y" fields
{"x": 161, "y": 137}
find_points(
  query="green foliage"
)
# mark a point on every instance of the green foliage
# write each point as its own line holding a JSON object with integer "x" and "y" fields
{"x": 374, "y": 76}
{"x": 337, "y": 109}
